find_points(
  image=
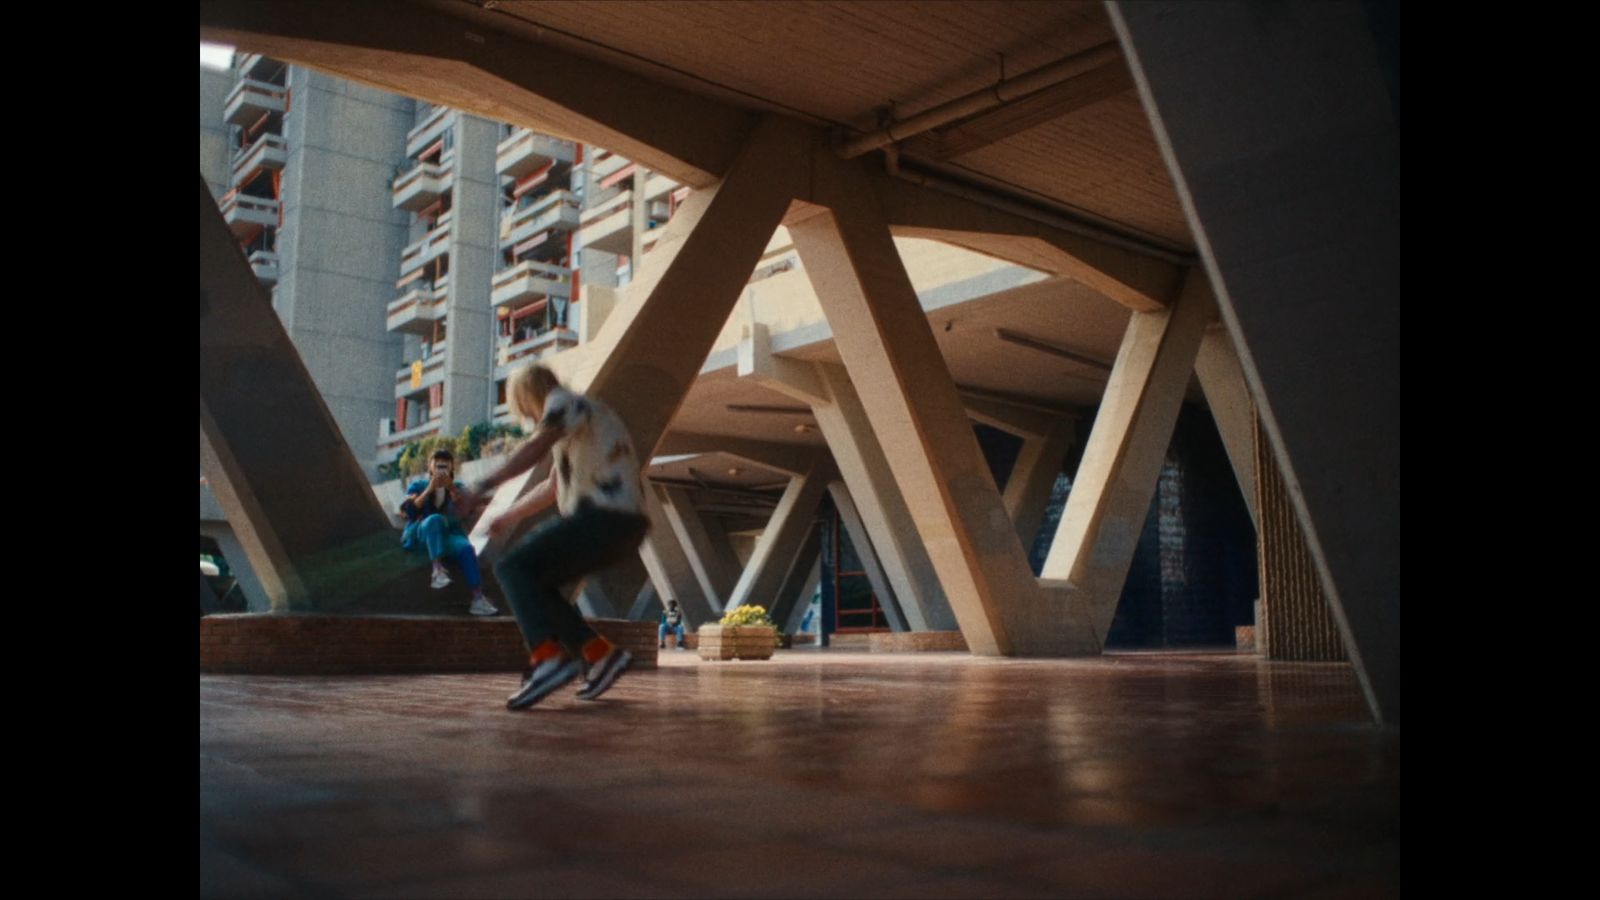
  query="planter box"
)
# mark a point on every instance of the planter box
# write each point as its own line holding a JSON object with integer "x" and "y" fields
{"x": 737, "y": 641}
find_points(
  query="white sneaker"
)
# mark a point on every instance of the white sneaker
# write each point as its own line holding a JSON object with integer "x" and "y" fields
{"x": 482, "y": 607}
{"x": 441, "y": 578}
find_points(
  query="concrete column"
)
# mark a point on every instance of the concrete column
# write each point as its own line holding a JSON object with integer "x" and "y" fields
{"x": 883, "y": 337}
{"x": 469, "y": 334}
{"x": 710, "y": 555}
{"x": 1291, "y": 188}
{"x": 646, "y": 602}
{"x": 1217, "y": 367}
{"x": 1110, "y": 498}
{"x": 636, "y": 217}
{"x": 1293, "y": 620}
{"x": 850, "y": 516}
{"x": 781, "y": 541}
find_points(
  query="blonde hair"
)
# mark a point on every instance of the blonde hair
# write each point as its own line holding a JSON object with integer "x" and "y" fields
{"x": 527, "y": 389}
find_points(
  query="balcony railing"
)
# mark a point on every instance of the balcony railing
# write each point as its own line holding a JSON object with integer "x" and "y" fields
{"x": 429, "y": 129}
{"x": 265, "y": 264}
{"x": 550, "y": 340}
{"x": 250, "y": 99}
{"x": 606, "y": 165}
{"x": 610, "y": 228}
{"x": 422, "y": 185}
{"x": 427, "y": 248}
{"x": 419, "y": 307}
{"x": 245, "y": 213}
{"x": 528, "y": 280}
{"x": 558, "y": 210}
{"x": 525, "y": 151}
{"x": 432, "y": 374}
{"x": 270, "y": 151}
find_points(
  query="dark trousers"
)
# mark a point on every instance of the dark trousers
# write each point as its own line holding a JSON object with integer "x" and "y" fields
{"x": 558, "y": 552}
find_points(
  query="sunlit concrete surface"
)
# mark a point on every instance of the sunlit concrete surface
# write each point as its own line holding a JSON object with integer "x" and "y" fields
{"x": 817, "y": 773}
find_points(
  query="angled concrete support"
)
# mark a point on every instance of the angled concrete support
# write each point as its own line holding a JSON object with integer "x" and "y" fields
{"x": 655, "y": 350}
{"x": 786, "y": 458}
{"x": 1297, "y": 218}
{"x": 885, "y": 518}
{"x": 1223, "y": 382}
{"x": 850, "y": 516}
{"x": 1034, "y": 475}
{"x": 297, "y": 500}
{"x": 917, "y": 416}
{"x": 782, "y": 539}
{"x": 795, "y": 592}
{"x": 613, "y": 590}
{"x": 705, "y": 545}
{"x": 801, "y": 600}
{"x": 669, "y": 568}
{"x": 646, "y": 603}
{"x": 1110, "y": 498}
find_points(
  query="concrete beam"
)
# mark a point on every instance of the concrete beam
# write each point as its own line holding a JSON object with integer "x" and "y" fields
{"x": 614, "y": 589}
{"x": 1291, "y": 187}
{"x": 789, "y": 459}
{"x": 1024, "y": 422}
{"x": 1222, "y": 380}
{"x": 1110, "y": 498}
{"x": 495, "y": 69}
{"x": 646, "y": 603}
{"x": 782, "y": 539}
{"x": 498, "y": 68}
{"x": 860, "y": 539}
{"x": 1137, "y": 281}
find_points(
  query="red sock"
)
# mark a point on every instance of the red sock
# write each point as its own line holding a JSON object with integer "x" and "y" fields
{"x": 595, "y": 649}
{"x": 548, "y": 649}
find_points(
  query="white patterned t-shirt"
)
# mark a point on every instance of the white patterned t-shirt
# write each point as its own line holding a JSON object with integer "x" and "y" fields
{"x": 594, "y": 460}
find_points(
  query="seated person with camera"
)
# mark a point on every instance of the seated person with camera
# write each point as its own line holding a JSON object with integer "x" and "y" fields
{"x": 432, "y": 511}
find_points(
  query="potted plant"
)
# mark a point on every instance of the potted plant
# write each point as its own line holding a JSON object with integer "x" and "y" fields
{"x": 744, "y": 633}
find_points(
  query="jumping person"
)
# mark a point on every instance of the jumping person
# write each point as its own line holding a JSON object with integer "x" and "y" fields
{"x": 594, "y": 481}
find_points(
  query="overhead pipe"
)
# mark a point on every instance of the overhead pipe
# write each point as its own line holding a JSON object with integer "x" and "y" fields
{"x": 985, "y": 99}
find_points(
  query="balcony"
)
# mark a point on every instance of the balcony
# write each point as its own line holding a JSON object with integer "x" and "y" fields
{"x": 610, "y": 229}
{"x": 527, "y": 151}
{"x": 421, "y": 305}
{"x": 527, "y": 281}
{"x": 265, "y": 264}
{"x": 557, "y": 210}
{"x": 389, "y": 441}
{"x": 246, "y": 214}
{"x": 270, "y": 151}
{"x": 509, "y": 356}
{"x": 605, "y": 166}
{"x": 423, "y": 185}
{"x": 432, "y": 244}
{"x": 250, "y": 100}
{"x": 256, "y": 66}
{"x": 657, "y": 187}
{"x": 432, "y": 374}
{"x": 429, "y": 130}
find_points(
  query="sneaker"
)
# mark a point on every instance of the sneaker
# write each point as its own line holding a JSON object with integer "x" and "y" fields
{"x": 540, "y": 682}
{"x": 482, "y": 607}
{"x": 441, "y": 578}
{"x": 603, "y": 674}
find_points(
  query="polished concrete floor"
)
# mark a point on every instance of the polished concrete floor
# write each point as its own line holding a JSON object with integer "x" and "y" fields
{"x": 815, "y": 774}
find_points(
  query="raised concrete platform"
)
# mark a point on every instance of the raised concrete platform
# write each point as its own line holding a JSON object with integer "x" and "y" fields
{"x": 915, "y": 641}
{"x": 269, "y": 644}
{"x": 818, "y": 773}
